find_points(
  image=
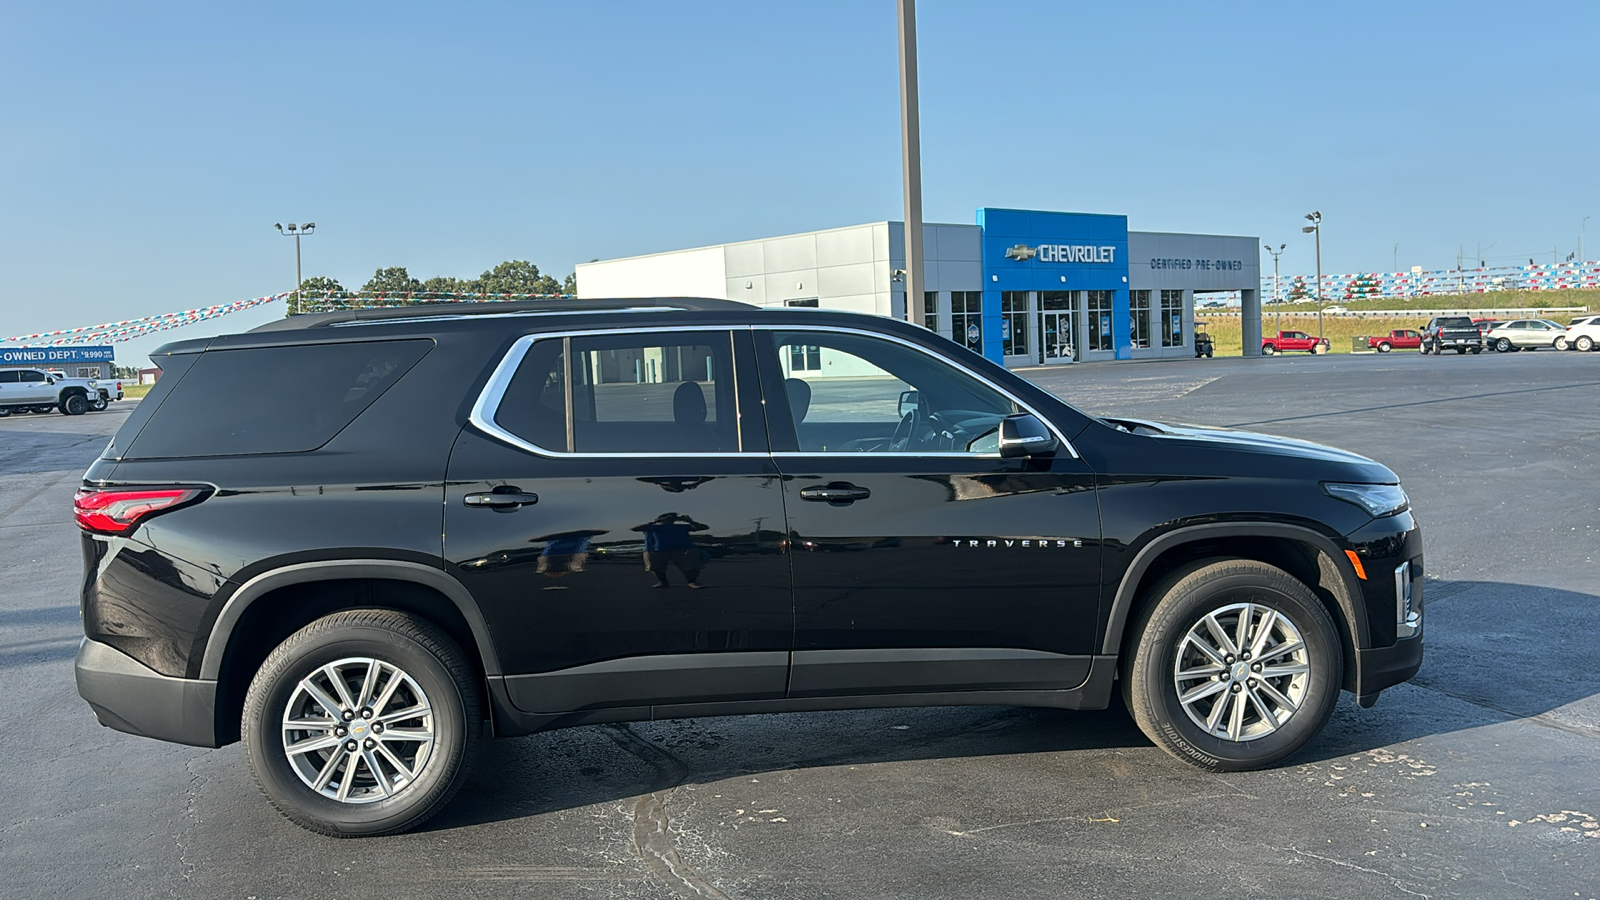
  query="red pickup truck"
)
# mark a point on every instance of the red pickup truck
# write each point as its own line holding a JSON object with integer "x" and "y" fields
{"x": 1400, "y": 338}
{"x": 1293, "y": 340}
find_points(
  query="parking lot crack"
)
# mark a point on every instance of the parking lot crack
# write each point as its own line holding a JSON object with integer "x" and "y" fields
{"x": 1541, "y": 719}
{"x": 1395, "y": 882}
{"x": 653, "y": 839}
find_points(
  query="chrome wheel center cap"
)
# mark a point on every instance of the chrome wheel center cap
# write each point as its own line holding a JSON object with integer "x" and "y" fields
{"x": 359, "y": 728}
{"x": 1240, "y": 671}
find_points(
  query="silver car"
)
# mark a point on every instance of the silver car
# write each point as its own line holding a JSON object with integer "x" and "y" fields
{"x": 1527, "y": 334}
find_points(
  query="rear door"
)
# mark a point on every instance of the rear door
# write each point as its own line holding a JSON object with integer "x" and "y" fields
{"x": 614, "y": 511}
{"x": 922, "y": 560}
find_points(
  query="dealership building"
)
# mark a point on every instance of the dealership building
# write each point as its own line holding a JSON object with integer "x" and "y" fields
{"x": 1022, "y": 287}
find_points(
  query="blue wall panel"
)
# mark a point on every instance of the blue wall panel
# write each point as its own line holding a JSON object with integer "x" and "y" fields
{"x": 1063, "y": 252}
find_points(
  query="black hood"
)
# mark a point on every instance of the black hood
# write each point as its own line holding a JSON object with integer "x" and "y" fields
{"x": 1367, "y": 470}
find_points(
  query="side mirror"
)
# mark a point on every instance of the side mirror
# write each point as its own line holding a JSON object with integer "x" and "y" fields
{"x": 1024, "y": 435}
{"x": 908, "y": 403}
{"x": 50, "y": 379}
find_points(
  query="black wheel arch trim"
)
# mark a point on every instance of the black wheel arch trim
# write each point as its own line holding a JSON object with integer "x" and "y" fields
{"x": 327, "y": 570}
{"x": 1122, "y": 604}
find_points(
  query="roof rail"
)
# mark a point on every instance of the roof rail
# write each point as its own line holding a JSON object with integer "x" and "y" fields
{"x": 501, "y": 308}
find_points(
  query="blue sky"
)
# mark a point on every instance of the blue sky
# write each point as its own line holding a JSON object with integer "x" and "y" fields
{"x": 148, "y": 149}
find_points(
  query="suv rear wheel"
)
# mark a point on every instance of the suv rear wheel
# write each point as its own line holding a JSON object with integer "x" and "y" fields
{"x": 362, "y": 723}
{"x": 1236, "y": 665}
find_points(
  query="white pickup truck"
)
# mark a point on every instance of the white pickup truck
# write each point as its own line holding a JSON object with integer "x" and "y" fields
{"x": 35, "y": 390}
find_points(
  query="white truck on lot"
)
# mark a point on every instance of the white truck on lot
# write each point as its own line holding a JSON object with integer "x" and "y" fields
{"x": 35, "y": 390}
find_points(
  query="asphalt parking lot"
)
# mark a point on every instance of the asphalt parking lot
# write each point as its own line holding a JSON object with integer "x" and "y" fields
{"x": 1479, "y": 779}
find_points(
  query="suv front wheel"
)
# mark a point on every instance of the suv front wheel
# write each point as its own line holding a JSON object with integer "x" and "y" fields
{"x": 1236, "y": 665}
{"x": 362, "y": 723}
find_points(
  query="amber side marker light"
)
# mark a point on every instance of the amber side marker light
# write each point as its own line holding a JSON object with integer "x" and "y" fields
{"x": 120, "y": 510}
{"x": 1361, "y": 571}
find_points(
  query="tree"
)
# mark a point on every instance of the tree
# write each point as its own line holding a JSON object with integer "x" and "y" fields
{"x": 515, "y": 276}
{"x": 570, "y": 286}
{"x": 393, "y": 280}
{"x": 316, "y": 292}
{"x": 443, "y": 284}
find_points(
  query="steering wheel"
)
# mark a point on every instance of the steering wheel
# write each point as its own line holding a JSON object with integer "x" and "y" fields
{"x": 905, "y": 431}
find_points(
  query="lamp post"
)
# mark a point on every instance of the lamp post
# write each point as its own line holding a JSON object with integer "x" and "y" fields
{"x": 911, "y": 164}
{"x": 1316, "y": 228}
{"x": 296, "y": 232}
{"x": 1277, "y": 295}
{"x": 1583, "y": 232}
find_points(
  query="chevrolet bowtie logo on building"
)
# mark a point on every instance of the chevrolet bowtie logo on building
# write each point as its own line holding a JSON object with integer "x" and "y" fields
{"x": 1021, "y": 253}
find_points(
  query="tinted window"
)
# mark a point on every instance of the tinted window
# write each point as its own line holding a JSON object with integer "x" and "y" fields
{"x": 273, "y": 399}
{"x": 877, "y": 396}
{"x": 625, "y": 393}
{"x": 30, "y": 375}
{"x": 8, "y": 378}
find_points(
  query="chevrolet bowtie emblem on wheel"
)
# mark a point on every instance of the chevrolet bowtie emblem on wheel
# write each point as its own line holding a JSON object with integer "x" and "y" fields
{"x": 1021, "y": 253}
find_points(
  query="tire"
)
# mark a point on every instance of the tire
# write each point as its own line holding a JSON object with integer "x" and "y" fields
{"x": 1560, "y": 343}
{"x": 1583, "y": 343}
{"x": 1503, "y": 345}
{"x": 1476, "y": 350}
{"x": 99, "y": 403}
{"x": 1268, "y": 350}
{"x": 1170, "y": 632}
{"x": 4, "y": 411}
{"x": 426, "y": 668}
{"x": 1385, "y": 347}
{"x": 74, "y": 405}
{"x": 1423, "y": 348}
{"x": 1461, "y": 351}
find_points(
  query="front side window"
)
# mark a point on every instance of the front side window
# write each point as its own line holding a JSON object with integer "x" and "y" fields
{"x": 878, "y": 396}
{"x": 626, "y": 393}
{"x": 31, "y": 376}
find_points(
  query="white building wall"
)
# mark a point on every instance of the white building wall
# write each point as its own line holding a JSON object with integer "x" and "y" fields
{"x": 685, "y": 273}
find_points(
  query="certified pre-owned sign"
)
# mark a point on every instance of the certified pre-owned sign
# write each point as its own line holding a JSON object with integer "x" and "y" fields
{"x": 1064, "y": 253}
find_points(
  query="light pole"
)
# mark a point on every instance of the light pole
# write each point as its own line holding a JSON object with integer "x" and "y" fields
{"x": 911, "y": 164}
{"x": 296, "y": 231}
{"x": 1277, "y": 295}
{"x": 1583, "y": 232}
{"x": 1316, "y": 228}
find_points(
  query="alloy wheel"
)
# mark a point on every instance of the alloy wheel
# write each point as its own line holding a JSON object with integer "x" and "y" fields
{"x": 358, "y": 730}
{"x": 1242, "y": 671}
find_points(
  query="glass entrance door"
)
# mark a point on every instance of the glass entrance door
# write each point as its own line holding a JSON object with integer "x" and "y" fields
{"x": 1058, "y": 334}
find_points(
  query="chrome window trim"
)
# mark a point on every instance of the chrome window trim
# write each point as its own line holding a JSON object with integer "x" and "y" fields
{"x": 482, "y": 415}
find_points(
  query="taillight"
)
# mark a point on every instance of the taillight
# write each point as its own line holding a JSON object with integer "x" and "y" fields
{"x": 120, "y": 510}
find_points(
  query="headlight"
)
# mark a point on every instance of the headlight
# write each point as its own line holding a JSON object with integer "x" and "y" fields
{"x": 1378, "y": 500}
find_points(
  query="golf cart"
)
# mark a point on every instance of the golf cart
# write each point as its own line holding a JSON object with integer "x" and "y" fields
{"x": 1202, "y": 340}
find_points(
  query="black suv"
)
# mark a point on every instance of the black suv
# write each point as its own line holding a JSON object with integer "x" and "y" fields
{"x": 438, "y": 523}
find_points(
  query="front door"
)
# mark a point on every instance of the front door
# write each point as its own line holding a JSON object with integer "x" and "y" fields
{"x": 1058, "y": 333}
{"x": 614, "y": 512}
{"x": 923, "y": 561}
{"x": 1058, "y": 344}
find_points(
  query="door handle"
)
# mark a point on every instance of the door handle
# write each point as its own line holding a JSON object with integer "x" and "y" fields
{"x": 503, "y": 498}
{"x": 837, "y": 494}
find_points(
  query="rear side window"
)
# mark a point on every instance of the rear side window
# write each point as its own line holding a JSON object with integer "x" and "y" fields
{"x": 625, "y": 393}
{"x": 272, "y": 399}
